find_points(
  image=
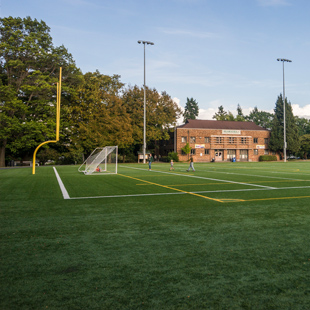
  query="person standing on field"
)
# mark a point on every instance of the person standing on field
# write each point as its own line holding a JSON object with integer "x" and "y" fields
{"x": 171, "y": 165}
{"x": 191, "y": 164}
{"x": 151, "y": 158}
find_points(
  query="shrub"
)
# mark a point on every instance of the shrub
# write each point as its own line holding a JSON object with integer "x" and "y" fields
{"x": 268, "y": 158}
{"x": 174, "y": 156}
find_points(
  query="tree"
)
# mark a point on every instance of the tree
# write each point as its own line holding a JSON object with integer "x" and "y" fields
{"x": 161, "y": 113}
{"x": 191, "y": 109}
{"x": 305, "y": 145}
{"x": 277, "y": 131}
{"x": 303, "y": 125}
{"x": 260, "y": 118}
{"x": 221, "y": 115}
{"x": 186, "y": 149}
{"x": 98, "y": 114}
{"x": 29, "y": 73}
{"x": 240, "y": 117}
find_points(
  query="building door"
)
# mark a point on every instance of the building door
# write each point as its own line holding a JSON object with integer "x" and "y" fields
{"x": 231, "y": 154}
{"x": 243, "y": 155}
{"x": 218, "y": 155}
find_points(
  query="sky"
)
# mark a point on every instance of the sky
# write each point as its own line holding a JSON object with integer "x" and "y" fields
{"x": 218, "y": 52}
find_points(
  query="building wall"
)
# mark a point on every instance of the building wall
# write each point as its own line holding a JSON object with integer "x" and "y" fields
{"x": 211, "y": 143}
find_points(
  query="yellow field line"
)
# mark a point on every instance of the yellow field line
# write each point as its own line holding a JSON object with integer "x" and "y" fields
{"x": 297, "y": 197}
{"x": 168, "y": 187}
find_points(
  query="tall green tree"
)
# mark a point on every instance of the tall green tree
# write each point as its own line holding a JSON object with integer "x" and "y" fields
{"x": 222, "y": 115}
{"x": 29, "y": 70}
{"x": 305, "y": 145}
{"x": 240, "y": 117}
{"x": 303, "y": 125}
{"x": 260, "y": 118}
{"x": 98, "y": 115}
{"x": 191, "y": 110}
{"x": 277, "y": 131}
{"x": 161, "y": 113}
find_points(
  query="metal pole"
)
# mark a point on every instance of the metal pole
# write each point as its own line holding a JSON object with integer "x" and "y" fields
{"x": 284, "y": 117}
{"x": 284, "y": 110}
{"x": 144, "y": 114}
{"x": 144, "y": 102}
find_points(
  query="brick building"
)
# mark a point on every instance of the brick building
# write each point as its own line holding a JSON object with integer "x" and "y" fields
{"x": 220, "y": 140}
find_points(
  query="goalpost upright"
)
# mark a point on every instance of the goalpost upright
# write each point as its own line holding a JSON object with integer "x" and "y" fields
{"x": 58, "y": 97}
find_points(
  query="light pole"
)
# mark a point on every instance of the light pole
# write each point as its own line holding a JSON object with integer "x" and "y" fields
{"x": 284, "y": 113}
{"x": 144, "y": 108}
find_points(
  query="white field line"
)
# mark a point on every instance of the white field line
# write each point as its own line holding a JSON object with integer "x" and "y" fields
{"x": 204, "y": 178}
{"x": 66, "y": 195}
{"x": 254, "y": 175}
{"x": 199, "y": 192}
{"x": 61, "y": 185}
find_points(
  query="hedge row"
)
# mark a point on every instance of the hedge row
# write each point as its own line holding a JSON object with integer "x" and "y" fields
{"x": 268, "y": 158}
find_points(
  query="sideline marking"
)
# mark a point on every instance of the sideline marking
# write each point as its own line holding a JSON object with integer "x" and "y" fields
{"x": 175, "y": 189}
{"x": 61, "y": 185}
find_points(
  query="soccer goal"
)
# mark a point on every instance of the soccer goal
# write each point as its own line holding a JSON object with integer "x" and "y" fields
{"x": 103, "y": 160}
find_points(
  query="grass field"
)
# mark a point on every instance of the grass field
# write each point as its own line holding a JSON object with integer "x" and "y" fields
{"x": 227, "y": 236}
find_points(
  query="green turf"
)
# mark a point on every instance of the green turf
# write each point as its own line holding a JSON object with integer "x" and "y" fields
{"x": 157, "y": 239}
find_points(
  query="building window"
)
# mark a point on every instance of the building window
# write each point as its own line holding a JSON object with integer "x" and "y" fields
{"x": 219, "y": 139}
{"x": 266, "y": 152}
{"x": 266, "y": 140}
{"x": 255, "y": 152}
{"x": 243, "y": 140}
{"x": 184, "y": 139}
{"x": 193, "y": 151}
{"x": 182, "y": 152}
{"x": 231, "y": 140}
{"x": 207, "y": 139}
{"x": 255, "y": 140}
{"x": 192, "y": 139}
{"x": 207, "y": 152}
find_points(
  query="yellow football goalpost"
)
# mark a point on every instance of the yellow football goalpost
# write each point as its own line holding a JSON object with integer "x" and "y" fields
{"x": 57, "y": 122}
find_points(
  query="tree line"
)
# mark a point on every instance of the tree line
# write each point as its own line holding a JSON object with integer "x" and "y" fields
{"x": 96, "y": 109}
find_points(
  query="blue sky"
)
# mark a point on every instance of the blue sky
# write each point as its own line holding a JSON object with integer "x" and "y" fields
{"x": 220, "y": 52}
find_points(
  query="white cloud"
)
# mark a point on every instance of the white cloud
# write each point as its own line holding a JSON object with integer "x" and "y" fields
{"x": 301, "y": 111}
{"x": 207, "y": 113}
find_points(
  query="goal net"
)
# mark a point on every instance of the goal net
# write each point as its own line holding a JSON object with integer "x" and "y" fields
{"x": 103, "y": 160}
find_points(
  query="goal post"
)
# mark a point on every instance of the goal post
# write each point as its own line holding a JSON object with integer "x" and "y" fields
{"x": 103, "y": 160}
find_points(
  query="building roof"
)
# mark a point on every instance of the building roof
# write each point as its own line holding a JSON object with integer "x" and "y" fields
{"x": 213, "y": 124}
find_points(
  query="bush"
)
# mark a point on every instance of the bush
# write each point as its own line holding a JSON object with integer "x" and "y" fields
{"x": 268, "y": 158}
{"x": 174, "y": 156}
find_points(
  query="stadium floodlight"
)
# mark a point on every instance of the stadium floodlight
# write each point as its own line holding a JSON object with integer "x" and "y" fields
{"x": 284, "y": 112}
{"x": 102, "y": 160}
{"x": 144, "y": 108}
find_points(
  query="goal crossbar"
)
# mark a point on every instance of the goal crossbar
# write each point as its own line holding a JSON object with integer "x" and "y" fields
{"x": 101, "y": 160}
